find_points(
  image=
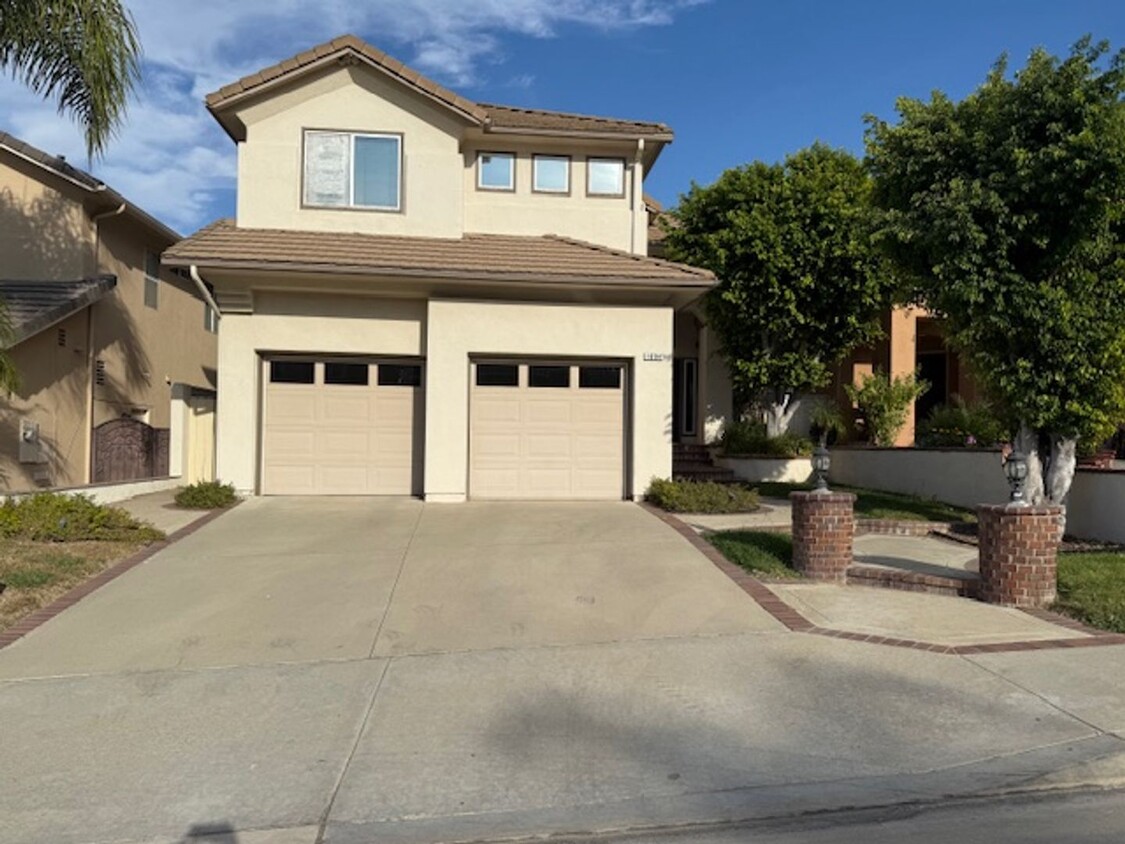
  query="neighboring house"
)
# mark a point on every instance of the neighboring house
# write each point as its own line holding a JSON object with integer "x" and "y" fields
{"x": 116, "y": 356}
{"x": 426, "y": 295}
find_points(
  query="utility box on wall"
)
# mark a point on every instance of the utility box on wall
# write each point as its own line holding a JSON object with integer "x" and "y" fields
{"x": 31, "y": 446}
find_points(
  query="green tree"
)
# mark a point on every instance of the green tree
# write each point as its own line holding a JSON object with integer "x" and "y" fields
{"x": 82, "y": 53}
{"x": 800, "y": 285}
{"x": 1006, "y": 212}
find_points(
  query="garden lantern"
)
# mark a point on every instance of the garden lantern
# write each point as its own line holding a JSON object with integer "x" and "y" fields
{"x": 1015, "y": 467}
{"x": 821, "y": 463}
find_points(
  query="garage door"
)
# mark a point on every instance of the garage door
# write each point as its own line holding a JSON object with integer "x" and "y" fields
{"x": 342, "y": 427}
{"x": 547, "y": 430}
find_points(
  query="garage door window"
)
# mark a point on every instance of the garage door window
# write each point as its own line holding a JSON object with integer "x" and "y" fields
{"x": 548, "y": 376}
{"x": 599, "y": 377}
{"x": 399, "y": 375}
{"x": 292, "y": 372}
{"x": 349, "y": 374}
{"x": 498, "y": 375}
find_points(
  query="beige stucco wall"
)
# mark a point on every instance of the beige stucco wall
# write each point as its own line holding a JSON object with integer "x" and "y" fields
{"x": 146, "y": 350}
{"x": 44, "y": 230}
{"x": 297, "y": 323}
{"x": 457, "y": 330}
{"x": 609, "y": 221}
{"x": 270, "y": 165}
{"x": 53, "y": 393}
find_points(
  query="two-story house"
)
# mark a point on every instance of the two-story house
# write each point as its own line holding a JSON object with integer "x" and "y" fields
{"x": 115, "y": 356}
{"x": 425, "y": 295}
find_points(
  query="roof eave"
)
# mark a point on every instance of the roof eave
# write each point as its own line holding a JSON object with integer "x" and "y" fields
{"x": 660, "y": 137}
{"x": 27, "y": 330}
{"x": 442, "y": 274}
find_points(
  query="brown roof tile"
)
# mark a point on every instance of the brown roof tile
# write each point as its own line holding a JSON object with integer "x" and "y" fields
{"x": 475, "y": 256}
{"x": 489, "y": 116}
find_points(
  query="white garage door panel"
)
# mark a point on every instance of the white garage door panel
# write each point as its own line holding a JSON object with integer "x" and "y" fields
{"x": 547, "y": 442}
{"x": 328, "y": 439}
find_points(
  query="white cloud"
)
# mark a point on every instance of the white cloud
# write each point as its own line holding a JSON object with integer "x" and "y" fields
{"x": 171, "y": 158}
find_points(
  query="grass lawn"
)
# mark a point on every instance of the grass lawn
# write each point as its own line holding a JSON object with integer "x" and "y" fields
{"x": 760, "y": 552}
{"x": 1092, "y": 588}
{"x": 38, "y": 572}
{"x": 872, "y": 504}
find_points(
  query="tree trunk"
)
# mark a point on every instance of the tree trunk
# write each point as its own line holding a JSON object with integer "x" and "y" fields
{"x": 1027, "y": 442}
{"x": 778, "y": 414}
{"x": 1060, "y": 474}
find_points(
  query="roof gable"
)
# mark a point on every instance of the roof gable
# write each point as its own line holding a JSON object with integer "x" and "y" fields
{"x": 349, "y": 49}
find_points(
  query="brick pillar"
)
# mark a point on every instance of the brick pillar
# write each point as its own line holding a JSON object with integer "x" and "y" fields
{"x": 823, "y": 527}
{"x": 1018, "y": 548}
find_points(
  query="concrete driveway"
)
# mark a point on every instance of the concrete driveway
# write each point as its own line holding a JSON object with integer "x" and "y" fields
{"x": 351, "y": 670}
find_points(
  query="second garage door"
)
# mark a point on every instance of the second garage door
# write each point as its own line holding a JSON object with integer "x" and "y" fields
{"x": 342, "y": 427}
{"x": 542, "y": 430}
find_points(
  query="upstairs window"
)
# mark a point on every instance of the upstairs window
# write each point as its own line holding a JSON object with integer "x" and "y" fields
{"x": 605, "y": 176}
{"x": 550, "y": 174}
{"x": 351, "y": 170}
{"x": 496, "y": 171}
{"x": 152, "y": 280}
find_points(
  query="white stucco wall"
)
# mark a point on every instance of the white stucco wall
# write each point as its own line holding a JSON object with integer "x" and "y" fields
{"x": 609, "y": 221}
{"x": 457, "y": 330}
{"x": 968, "y": 477}
{"x": 296, "y": 323}
{"x": 779, "y": 470}
{"x": 270, "y": 165}
{"x": 965, "y": 477}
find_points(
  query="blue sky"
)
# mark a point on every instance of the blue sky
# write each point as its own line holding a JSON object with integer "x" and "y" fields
{"x": 738, "y": 80}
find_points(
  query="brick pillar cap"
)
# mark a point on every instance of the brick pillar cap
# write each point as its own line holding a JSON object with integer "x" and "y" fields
{"x": 822, "y": 495}
{"x": 1017, "y": 510}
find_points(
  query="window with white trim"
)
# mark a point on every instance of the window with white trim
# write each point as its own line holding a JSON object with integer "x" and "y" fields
{"x": 496, "y": 171}
{"x": 152, "y": 280}
{"x": 353, "y": 170}
{"x": 550, "y": 173}
{"x": 605, "y": 176}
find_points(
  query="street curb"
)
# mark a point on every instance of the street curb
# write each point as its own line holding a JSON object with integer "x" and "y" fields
{"x": 68, "y": 599}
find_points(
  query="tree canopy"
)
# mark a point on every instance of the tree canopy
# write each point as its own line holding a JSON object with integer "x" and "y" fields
{"x": 800, "y": 284}
{"x": 1005, "y": 211}
{"x": 82, "y": 53}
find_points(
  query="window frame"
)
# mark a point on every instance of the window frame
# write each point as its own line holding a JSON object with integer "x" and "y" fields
{"x": 606, "y": 159}
{"x": 399, "y": 139}
{"x": 512, "y": 173}
{"x": 538, "y": 156}
{"x": 151, "y": 282}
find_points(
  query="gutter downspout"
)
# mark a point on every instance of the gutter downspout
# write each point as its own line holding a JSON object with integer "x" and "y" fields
{"x": 91, "y": 353}
{"x": 638, "y": 194}
{"x": 193, "y": 271}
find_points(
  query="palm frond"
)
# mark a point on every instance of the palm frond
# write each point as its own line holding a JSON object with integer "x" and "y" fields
{"x": 9, "y": 377}
{"x": 82, "y": 53}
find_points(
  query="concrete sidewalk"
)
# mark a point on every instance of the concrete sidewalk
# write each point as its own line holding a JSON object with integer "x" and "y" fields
{"x": 159, "y": 510}
{"x": 357, "y": 670}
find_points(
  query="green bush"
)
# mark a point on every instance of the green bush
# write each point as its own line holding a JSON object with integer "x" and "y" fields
{"x": 958, "y": 424}
{"x": 206, "y": 495}
{"x": 53, "y": 517}
{"x": 743, "y": 438}
{"x": 884, "y": 403}
{"x": 826, "y": 423}
{"x": 701, "y": 497}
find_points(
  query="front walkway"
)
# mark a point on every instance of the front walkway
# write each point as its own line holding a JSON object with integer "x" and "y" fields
{"x": 349, "y": 670}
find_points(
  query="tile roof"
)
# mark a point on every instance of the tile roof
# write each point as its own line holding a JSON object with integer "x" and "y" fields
{"x": 61, "y": 167}
{"x": 488, "y": 116}
{"x": 34, "y": 305}
{"x": 487, "y": 257}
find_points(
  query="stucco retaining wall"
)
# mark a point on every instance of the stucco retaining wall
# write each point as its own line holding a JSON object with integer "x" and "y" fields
{"x": 757, "y": 469}
{"x": 968, "y": 477}
{"x": 110, "y": 493}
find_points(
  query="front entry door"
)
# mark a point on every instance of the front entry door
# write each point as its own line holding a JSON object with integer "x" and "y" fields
{"x": 685, "y": 398}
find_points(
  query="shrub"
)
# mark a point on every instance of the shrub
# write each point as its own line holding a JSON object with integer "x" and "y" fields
{"x": 958, "y": 424}
{"x": 701, "y": 497}
{"x": 206, "y": 495}
{"x": 53, "y": 517}
{"x": 884, "y": 403}
{"x": 826, "y": 423}
{"x": 750, "y": 438}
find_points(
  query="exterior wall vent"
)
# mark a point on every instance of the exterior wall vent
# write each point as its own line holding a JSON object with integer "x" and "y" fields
{"x": 99, "y": 372}
{"x": 62, "y": 337}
